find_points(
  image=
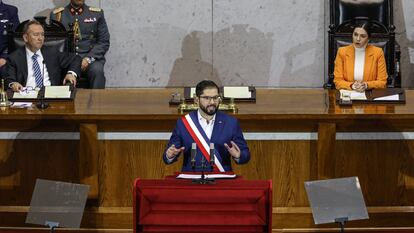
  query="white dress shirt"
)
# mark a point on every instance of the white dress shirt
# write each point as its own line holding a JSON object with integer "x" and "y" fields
{"x": 359, "y": 64}
{"x": 206, "y": 126}
{"x": 31, "y": 80}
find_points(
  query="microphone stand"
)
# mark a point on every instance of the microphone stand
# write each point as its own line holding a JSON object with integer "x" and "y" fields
{"x": 204, "y": 165}
{"x": 42, "y": 104}
{"x": 341, "y": 222}
{"x": 52, "y": 226}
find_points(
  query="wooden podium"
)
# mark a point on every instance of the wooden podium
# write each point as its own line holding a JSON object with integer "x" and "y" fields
{"x": 173, "y": 205}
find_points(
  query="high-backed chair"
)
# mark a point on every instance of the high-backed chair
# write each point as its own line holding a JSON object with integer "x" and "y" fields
{"x": 55, "y": 35}
{"x": 346, "y": 13}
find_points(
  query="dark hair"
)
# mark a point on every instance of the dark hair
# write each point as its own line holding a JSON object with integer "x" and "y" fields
{"x": 364, "y": 25}
{"x": 205, "y": 84}
{"x": 28, "y": 24}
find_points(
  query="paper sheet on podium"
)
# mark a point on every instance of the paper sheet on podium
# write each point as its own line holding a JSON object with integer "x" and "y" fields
{"x": 237, "y": 92}
{"x": 389, "y": 97}
{"x": 354, "y": 95}
{"x": 211, "y": 176}
{"x": 57, "y": 92}
{"x": 192, "y": 92}
{"x": 26, "y": 94}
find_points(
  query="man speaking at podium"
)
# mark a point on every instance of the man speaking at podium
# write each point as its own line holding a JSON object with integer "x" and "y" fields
{"x": 204, "y": 127}
{"x": 36, "y": 66}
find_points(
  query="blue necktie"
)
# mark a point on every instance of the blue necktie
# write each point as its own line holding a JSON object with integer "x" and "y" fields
{"x": 36, "y": 71}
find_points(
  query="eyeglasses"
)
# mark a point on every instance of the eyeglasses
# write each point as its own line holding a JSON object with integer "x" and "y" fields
{"x": 210, "y": 98}
{"x": 29, "y": 90}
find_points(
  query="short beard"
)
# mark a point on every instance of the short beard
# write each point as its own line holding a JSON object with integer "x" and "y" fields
{"x": 207, "y": 112}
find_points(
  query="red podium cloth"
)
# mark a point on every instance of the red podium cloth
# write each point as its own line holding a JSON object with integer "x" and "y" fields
{"x": 175, "y": 205}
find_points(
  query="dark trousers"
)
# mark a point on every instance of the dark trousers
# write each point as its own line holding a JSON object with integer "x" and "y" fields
{"x": 95, "y": 75}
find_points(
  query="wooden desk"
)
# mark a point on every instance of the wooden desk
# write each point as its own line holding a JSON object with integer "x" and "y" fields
{"x": 385, "y": 167}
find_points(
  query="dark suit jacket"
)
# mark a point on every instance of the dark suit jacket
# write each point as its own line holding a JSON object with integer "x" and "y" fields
{"x": 56, "y": 63}
{"x": 226, "y": 128}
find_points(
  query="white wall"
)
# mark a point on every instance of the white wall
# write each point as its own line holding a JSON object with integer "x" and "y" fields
{"x": 280, "y": 43}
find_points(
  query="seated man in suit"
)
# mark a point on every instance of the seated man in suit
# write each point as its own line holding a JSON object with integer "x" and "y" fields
{"x": 36, "y": 66}
{"x": 204, "y": 126}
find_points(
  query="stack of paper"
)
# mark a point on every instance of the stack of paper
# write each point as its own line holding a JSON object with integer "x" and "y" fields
{"x": 237, "y": 92}
{"x": 211, "y": 176}
{"x": 57, "y": 92}
{"x": 353, "y": 95}
{"x": 395, "y": 97}
{"x": 26, "y": 93}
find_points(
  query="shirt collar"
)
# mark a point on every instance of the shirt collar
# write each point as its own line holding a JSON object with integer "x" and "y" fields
{"x": 30, "y": 53}
{"x": 360, "y": 49}
{"x": 201, "y": 118}
{"x": 73, "y": 10}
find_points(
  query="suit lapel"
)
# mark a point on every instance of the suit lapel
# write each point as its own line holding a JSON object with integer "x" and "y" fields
{"x": 218, "y": 126}
{"x": 23, "y": 63}
{"x": 350, "y": 54}
{"x": 51, "y": 66}
{"x": 369, "y": 61}
{"x": 46, "y": 62}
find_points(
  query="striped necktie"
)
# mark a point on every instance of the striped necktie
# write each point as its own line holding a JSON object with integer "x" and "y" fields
{"x": 36, "y": 71}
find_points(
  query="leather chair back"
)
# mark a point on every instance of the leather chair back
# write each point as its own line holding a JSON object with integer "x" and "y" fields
{"x": 55, "y": 35}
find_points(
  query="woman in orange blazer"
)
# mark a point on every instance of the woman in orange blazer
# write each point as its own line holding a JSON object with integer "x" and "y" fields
{"x": 360, "y": 66}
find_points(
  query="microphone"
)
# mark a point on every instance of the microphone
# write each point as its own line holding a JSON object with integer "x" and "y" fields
{"x": 193, "y": 154}
{"x": 42, "y": 104}
{"x": 212, "y": 156}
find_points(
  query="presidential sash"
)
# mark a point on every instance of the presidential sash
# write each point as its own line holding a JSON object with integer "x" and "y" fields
{"x": 203, "y": 144}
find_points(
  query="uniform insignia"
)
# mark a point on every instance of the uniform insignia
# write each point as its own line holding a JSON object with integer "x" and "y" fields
{"x": 76, "y": 30}
{"x": 95, "y": 9}
{"x": 58, "y": 10}
{"x": 90, "y": 20}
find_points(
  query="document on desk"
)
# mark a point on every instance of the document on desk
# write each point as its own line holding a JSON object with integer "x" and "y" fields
{"x": 237, "y": 92}
{"x": 57, "y": 92}
{"x": 354, "y": 95}
{"x": 211, "y": 176}
{"x": 192, "y": 92}
{"x": 22, "y": 105}
{"x": 395, "y": 97}
{"x": 26, "y": 94}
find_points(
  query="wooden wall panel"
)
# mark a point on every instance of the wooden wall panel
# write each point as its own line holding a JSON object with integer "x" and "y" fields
{"x": 286, "y": 163}
{"x": 123, "y": 161}
{"x": 385, "y": 169}
{"x": 23, "y": 161}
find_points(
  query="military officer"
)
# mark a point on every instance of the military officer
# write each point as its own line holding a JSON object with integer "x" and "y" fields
{"x": 8, "y": 15}
{"x": 91, "y": 37}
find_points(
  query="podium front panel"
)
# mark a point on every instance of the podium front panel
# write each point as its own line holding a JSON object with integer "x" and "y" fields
{"x": 227, "y": 206}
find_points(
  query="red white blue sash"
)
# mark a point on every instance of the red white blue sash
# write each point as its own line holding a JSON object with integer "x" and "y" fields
{"x": 201, "y": 142}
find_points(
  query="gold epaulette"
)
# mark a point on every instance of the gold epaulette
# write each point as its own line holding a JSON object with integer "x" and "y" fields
{"x": 95, "y": 9}
{"x": 58, "y": 10}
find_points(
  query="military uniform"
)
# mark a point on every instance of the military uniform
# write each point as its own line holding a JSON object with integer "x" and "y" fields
{"x": 8, "y": 15}
{"x": 91, "y": 38}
